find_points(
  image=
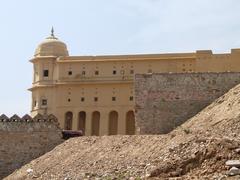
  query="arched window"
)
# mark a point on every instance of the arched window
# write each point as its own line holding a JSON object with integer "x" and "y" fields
{"x": 113, "y": 123}
{"x": 68, "y": 120}
{"x": 82, "y": 121}
{"x": 130, "y": 123}
{"x": 95, "y": 123}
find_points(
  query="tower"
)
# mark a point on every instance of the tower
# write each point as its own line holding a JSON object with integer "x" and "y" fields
{"x": 45, "y": 73}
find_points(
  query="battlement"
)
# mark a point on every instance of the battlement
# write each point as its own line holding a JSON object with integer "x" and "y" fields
{"x": 29, "y": 119}
{"x": 26, "y": 138}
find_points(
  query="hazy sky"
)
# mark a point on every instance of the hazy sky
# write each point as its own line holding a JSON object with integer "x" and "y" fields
{"x": 91, "y": 27}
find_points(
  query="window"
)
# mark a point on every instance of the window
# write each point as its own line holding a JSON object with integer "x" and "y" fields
{"x": 45, "y": 73}
{"x": 150, "y": 71}
{"x": 95, "y": 99}
{"x": 69, "y": 73}
{"x": 69, "y": 100}
{"x": 35, "y": 103}
{"x": 114, "y": 72}
{"x": 113, "y": 98}
{"x": 82, "y": 99}
{"x": 44, "y": 102}
{"x": 83, "y": 72}
{"x": 96, "y": 72}
{"x": 131, "y": 71}
{"x": 131, "y": 98}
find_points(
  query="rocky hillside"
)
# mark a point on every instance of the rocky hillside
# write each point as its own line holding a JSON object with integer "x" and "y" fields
{"x": 198, "y": 149}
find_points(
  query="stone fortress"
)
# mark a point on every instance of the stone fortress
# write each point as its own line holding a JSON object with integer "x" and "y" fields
{"x": 96, "y": 94}
{"x": 109, "y": 95}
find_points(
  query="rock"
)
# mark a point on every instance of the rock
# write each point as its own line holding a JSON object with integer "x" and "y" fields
{"x": 233, "y": 163}
{"x": 237, "y": 150}
{"x": 234, "y": 171}
{"x": 29, "y": 170}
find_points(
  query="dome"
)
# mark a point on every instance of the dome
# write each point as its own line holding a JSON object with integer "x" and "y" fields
{"x": 51, "y": 46}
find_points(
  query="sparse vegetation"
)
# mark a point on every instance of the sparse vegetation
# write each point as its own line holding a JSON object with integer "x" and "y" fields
{"x": 187, "y": 131}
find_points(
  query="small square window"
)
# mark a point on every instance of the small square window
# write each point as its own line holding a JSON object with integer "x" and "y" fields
{"x": 96, "y": 72}
{"x": 131, "y": 71}
{"x": 82, "y": 99}
{"x": 45, "y": 73}
{"x": 69, "y": 73}
{"x": 149, "y": 71}
{"x": 83, "y": 72}
{"x": 122, "y": 72}
{"x": 114, "y": 72}
{"x": 44, "y": 102}
{"x": 113, "y": 98}
{"x": 95, "y": 99}
{"x": 131, "y": 98}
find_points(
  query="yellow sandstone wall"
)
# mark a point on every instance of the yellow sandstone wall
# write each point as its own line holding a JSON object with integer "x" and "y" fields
{"x": 106, "y": 84}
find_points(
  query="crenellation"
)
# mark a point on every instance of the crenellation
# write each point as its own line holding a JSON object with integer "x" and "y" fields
{"x": 27, "y": 118}
{"x": 24, "y": 139}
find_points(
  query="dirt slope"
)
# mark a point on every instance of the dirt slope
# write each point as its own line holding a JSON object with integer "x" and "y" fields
{"x": 197, "y": 149}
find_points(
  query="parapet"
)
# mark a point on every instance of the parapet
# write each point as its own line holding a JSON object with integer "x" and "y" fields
{"x": 26, "y": 138}
{"x": 27, "y": 123}
{"x": 234, "y": 51}
{"x": 204, "y": 52}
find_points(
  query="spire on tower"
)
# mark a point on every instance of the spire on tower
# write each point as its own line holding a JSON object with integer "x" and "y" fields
{"x": 52, "y": 36}
{"x": 52, "y": 32}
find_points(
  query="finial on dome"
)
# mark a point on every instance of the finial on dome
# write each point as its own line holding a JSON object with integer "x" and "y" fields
{"x": 52, "y": 32}
{"x": 52, "y": 36}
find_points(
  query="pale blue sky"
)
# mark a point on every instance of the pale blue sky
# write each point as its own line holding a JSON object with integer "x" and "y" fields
{"x": 93, "y": 27}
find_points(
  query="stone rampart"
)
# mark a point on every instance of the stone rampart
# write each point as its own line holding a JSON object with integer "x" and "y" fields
{"x": 166, "y": 100}
{"x": 24, "y": 139}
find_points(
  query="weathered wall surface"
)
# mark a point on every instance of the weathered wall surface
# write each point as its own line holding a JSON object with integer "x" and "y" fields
{"x": 164, "y": 101}
{"x": 24, "y": 139}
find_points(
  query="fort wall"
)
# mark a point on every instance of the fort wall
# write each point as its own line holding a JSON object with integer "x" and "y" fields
{"x": 166, "y": 100}
{"x": 24, "y": 139}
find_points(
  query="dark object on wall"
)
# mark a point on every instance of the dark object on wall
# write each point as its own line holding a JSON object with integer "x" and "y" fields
{"x": 69, "y": 134}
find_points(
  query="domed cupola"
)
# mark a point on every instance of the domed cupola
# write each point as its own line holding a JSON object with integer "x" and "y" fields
{"x": 51, "y": 46}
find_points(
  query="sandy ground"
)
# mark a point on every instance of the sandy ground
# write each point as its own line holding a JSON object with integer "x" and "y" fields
{"x": 196, "y": 150}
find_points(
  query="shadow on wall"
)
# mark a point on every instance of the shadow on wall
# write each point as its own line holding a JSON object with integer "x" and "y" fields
{"x": 24, "y": 139}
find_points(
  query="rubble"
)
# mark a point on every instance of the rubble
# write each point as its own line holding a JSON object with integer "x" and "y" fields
{"x": 233, "y": 163}
{"x": 234, "y": 171}
{"x": 209, "y": 151}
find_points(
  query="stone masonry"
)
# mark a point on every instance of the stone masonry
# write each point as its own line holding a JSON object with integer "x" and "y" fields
{"x": 24, "y": 139}
{"x": 166, "y": 100}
